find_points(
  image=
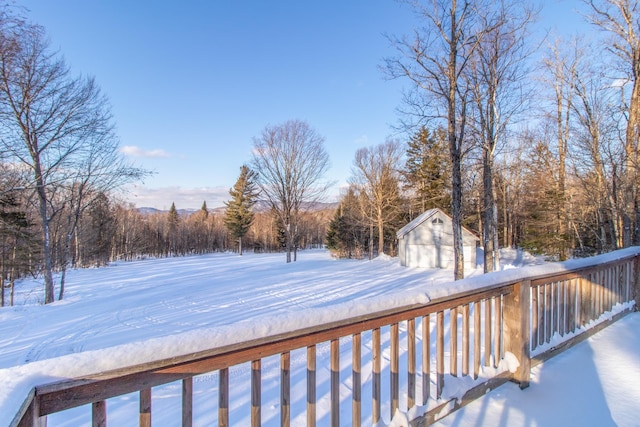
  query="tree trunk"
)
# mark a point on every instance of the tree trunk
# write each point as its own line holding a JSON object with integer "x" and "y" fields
{"x": 12, "y": 273}
{"x": 380, "y": 233}
{"x": 65, "y": 263}
{"x": 496, "y": 243}
{"x": 454, "y": 147}
{"x": 288, "y": 242}
{"x": 456, "y": 196}
{"x": 46, "y": 252}
{"x": 46, "y": 231}
{"x": 488, "y": 230}
{"x": 631, "y": 152}
{"x": 370, "y": 241}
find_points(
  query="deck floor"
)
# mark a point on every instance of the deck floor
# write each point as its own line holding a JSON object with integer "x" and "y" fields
{"x": 595, "y": 383}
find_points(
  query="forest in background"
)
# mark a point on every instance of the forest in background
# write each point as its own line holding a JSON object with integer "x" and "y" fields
{"x": 528, "y": 143}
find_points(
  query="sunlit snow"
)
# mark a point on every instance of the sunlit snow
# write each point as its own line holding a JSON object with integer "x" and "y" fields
{"x": 180, "y": 305}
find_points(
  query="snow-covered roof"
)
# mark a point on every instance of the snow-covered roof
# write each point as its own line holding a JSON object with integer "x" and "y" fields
{"x": 417, "y": 221}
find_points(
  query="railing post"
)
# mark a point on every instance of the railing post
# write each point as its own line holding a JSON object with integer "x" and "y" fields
{"x": 223, "y": 397}
{"x": 311, "y": 386}
{"x": 517, "y": 306}
{"x": 145, "y": 407}
{"x": 335, "y": 382}
{"x": 187, "y": 402}
{"x": 31, "y": 417}
{"x": 99, "y": 414}
{"x": 285, "y": 389}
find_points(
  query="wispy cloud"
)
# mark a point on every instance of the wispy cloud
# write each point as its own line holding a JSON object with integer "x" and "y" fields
{"x": 133, "y": 151}
{"x": 362, "y": 140}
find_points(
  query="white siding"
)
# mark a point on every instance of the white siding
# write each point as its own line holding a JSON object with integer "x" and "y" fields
{"x": 428, "y": 243}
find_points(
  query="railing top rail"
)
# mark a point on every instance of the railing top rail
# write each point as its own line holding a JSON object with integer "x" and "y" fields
{"x": 70, "y": 393}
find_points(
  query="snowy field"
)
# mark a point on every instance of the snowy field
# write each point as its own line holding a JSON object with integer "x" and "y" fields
{"x": 179, "y": 305}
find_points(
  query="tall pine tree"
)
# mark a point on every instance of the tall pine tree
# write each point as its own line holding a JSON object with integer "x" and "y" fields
{"x": 172, "y": 231}
{"x": 239, "y": 215}
{"x": 426, "y": 172}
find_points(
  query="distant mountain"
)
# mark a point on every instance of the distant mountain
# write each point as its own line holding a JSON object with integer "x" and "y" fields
{"x": 261, "y": 206}
{"x": 181, "y": 212}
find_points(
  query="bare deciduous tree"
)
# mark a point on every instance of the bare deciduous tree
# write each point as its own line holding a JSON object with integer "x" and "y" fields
{"x": 434, "y": 60}
{"x": 497, "y": 75}
{"x": 58, "y": 127}
{"x": 376, "y": 175}
{"x": 620, "y": 20}
{"x": 561, "y": 65}
{"x": 290, "y": 160}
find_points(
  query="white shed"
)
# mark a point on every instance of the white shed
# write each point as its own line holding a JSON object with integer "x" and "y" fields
{"x": 427, "y": 242}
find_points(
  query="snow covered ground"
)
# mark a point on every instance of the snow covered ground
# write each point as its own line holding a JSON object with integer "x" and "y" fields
{"x": 179, "y": 305}
{"x": 595, "y": 383}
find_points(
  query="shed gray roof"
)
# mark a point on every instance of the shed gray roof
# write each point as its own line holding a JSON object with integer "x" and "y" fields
{"x": 424, "y": 217}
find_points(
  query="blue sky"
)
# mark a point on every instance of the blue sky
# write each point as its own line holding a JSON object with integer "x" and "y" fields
{"x": 192, "y": 82}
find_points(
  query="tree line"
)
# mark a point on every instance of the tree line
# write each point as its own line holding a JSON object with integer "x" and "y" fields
{"x": 530, "y": 142}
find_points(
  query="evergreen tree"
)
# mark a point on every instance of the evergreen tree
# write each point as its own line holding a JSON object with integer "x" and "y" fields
{"x": 98, "y": 236}
{"x": 426, "y": 171}
{"x": 348, "y": 236}
{"x": 172, "y": 234}
{"x": 204, "y": 210}
{"x": 17, "y": 242}
{"x": 541, "y": 232}
{"x": 239, "y": 215}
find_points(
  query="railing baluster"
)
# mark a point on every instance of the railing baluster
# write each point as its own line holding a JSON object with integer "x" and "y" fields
{"x": 600, "y": 306}
{"x": 619, "y": 283}
{"x": 571, "y": 306}
{"x": 311, "y": 386}
{"x": 627, "y": 281}
{"x": 533, "y": 339}
{"x": 145, "y": 407}
{"x": 356, "y": 363}
{"x": 593, "y": 296}
{"x": 394, "y": 368}
{"x": 585, "y": 300}
{"x": 465, "y": 340}
{"x": 610, "y": 288}
{"x": 453, "y": 341}
{"x": 477, "y": 332}
{"x": 411, "y": 363}
{"x": 187, "y": 402}
{"x": 256, "y": 393}
{"x": 613, "y": 286}
{"x": 99, "y": 414}
{"x": 601, "y": 293}
{"x": 497, "y": 330}
{"x": 426, "y": 358}
{"x": 541, "y": 314}
{"x": 335, "y": 383}
{"x": 439, "y": 353}
{"x": 487, "y": 332}
{"x": 548, "y": 302}
{"x": 285, "y": 389}
{"x": 562, "y": 309}
{"x": 377, "y": 366}
{"x": 223, "y": 397}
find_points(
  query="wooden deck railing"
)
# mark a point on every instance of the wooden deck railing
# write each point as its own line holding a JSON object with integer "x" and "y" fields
{"x": 481, "y": 327}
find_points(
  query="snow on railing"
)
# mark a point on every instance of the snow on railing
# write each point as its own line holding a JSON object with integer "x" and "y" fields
{"x": 394, "y": 364}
